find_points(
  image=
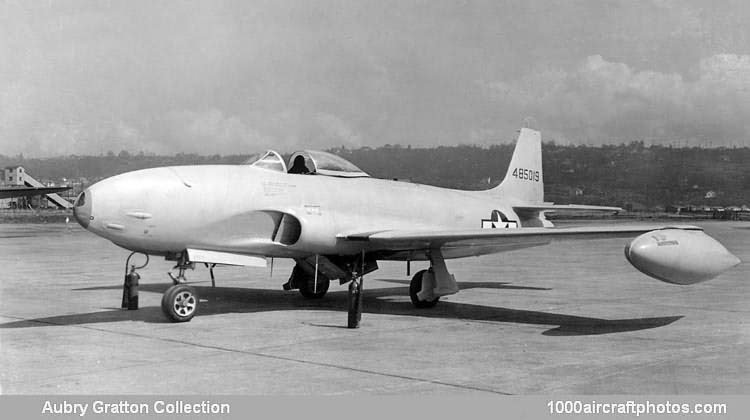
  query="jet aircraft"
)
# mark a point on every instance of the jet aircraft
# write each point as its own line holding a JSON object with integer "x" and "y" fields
{"x": 337, "y": 222}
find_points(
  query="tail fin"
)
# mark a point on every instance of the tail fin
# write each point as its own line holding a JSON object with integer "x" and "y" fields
{"x": 524, "y": 181}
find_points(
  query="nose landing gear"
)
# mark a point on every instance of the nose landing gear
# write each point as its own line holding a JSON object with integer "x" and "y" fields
{"x": 182, "y": 265}
{"x": 179, "y": 303}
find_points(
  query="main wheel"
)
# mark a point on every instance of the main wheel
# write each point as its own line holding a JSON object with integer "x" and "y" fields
{"x": 179, "y": 303}
{"x": 414, "y": 287}
{"x": 307, "y": 287}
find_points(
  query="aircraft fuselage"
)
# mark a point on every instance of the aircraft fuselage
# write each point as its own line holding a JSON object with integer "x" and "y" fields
{"x": 238, "y": 208}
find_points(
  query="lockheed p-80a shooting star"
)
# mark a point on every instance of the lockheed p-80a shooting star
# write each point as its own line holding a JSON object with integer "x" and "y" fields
{"x": 336, "y": 222}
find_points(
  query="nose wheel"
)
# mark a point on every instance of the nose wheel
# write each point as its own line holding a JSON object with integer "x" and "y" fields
{"x": 179, "y": 303}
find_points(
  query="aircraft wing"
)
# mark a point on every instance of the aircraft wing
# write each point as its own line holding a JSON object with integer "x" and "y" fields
{"x": 402, "y": 240}
{"x": 29, "y": 191}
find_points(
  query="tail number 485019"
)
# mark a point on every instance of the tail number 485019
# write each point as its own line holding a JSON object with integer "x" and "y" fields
{"x": 527, "y": 174}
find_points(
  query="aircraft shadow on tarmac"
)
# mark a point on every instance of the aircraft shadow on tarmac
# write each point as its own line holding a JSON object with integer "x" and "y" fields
{"x": 223, "y": 300}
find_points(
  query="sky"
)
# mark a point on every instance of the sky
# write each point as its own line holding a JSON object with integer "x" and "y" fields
{"x": 238, "y": 77}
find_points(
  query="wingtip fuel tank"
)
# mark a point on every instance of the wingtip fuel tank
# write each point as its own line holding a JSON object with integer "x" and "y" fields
{"x": 679, "y": 256}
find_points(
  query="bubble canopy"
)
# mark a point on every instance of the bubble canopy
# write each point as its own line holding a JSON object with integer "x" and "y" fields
{"x": 315, "y": 162}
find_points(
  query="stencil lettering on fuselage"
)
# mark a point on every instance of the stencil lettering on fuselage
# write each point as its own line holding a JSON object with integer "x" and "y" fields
{"x": 498, "y": 221}
{"x": 312, "y": 209}
{"x": 273, "y": 188}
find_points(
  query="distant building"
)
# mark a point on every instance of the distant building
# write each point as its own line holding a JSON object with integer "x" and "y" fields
{"x": 13, "y": 175}
{"x": 16, "y": 176}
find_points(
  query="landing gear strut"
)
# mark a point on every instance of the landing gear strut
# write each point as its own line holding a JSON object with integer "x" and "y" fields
{"x": 182, "y": 265}
{"x": 180, "y": 302}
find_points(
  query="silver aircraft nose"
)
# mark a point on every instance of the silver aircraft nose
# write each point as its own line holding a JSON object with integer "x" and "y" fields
{"x": 82, "y": 209}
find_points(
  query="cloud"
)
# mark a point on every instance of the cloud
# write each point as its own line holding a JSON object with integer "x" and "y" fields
{"x": 602, "y": 101}
{"x": 727, "y": 71}
{"x": 238, "y": 76}
{"x": 337, "y": 131}
{"x": 209, "y": 132}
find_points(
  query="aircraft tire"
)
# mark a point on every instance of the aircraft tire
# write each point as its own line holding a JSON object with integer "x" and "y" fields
{"x": 414, "y": 287}
{"x": 306, "y": 288}
{"x": 179, "y": 303}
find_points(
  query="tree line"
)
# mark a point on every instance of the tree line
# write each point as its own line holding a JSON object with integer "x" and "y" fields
{"x": 632, "y": 175}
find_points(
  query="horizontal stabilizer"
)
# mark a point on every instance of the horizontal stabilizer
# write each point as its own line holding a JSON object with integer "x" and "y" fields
{"x": 566, "y": 208}
{"x": 227, "y": 258}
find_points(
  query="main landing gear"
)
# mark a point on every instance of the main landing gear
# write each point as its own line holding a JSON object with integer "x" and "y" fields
{"x": 427, "y": 278}
{"x": 309, "y": 286}
{"x": 313, "y": 275}
{"x": 427, "y": 286}
{"x": 425, "y": 289}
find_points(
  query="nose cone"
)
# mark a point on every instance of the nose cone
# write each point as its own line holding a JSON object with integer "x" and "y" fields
{"x": 82, "y": 209}
{"x": 679, "y": 256}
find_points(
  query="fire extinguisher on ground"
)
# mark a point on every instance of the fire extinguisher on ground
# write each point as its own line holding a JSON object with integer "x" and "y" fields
{"x": 130, "y": 290}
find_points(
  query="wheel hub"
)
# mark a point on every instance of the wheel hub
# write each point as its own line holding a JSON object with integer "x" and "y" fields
{"x": 184, "y": 303}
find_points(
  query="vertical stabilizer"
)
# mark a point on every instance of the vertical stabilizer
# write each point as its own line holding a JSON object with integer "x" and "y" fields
{"x": 523, "y": 181}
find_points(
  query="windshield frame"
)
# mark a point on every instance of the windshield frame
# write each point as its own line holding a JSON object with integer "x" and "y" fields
{"x": 270, "y": 160}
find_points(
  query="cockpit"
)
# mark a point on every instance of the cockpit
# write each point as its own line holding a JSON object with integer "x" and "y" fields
{"x": 312, "y": 162}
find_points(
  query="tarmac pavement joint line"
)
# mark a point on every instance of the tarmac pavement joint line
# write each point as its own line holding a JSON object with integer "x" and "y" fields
{"x": 271, "y": 356}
